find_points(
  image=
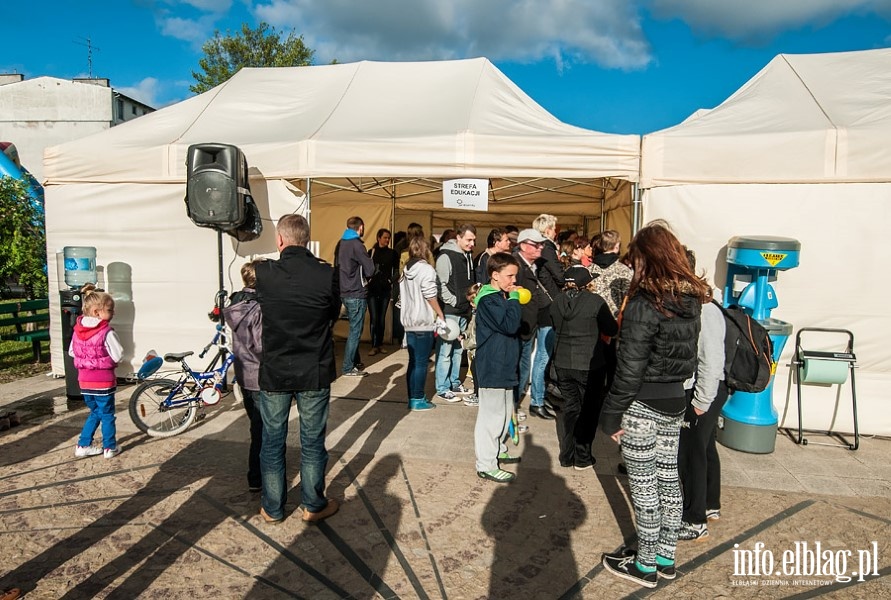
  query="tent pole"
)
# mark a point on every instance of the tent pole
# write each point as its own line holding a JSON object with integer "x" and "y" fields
{"x": 393, "y": 209}
{"x": 636, "y": 208}
{"x": 309, "y": 204}
{"x": 602, "y": 215}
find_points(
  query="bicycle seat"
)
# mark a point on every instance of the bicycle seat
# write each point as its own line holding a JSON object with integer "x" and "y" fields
{"x": 177, "y": 356}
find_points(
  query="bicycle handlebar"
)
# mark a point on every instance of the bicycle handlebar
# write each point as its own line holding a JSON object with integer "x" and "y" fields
{"x": 220, "y": 334}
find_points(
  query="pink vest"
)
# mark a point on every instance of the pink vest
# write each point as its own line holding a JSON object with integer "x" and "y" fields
{"x": 95, "y": 368}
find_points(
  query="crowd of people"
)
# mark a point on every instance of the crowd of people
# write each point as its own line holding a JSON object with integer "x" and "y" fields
{"x": 628, "y": 344}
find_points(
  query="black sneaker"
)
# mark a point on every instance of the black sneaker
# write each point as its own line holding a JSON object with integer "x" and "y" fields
{"x": 693, "y": 532}
{"x": 666, "y": 571}
{"x": 663, "y": 571}
{"x": 584, "y": 465}
{"x": 625, "y": 567}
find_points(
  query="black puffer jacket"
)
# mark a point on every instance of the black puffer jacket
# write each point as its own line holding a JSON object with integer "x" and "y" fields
{"x": 655, "y": 354}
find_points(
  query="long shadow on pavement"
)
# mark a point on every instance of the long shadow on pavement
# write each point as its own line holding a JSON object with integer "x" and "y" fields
{"x": 531, "y": 523}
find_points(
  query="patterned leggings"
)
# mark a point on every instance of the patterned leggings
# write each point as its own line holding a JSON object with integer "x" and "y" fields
{"x": 650, "y": 450}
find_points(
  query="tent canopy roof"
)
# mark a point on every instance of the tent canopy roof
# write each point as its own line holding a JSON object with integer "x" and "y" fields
{"x": 460, "y": 118}
{"x": 803, "y": 118}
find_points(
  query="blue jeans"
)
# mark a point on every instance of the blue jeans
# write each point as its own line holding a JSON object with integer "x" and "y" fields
{"x": 312, "y": 406}
{"x": 377, "y": 308}
{"x": 101, "y": 411}
{"x": 525, "y": 369}
{"x": 448, "y": 359}
{"x": 420, "y": 343}
{"x": 543, "y": 341}
{"x": 355, "y": 308}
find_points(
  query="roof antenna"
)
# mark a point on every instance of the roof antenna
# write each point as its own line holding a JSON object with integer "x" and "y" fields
{"x": 90, "y": 47}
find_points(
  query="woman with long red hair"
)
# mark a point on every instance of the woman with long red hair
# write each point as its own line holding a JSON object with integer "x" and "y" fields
{"x": 646, "y": 403}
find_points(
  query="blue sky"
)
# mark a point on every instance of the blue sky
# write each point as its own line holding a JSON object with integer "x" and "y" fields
{"x": 622, "y": 66}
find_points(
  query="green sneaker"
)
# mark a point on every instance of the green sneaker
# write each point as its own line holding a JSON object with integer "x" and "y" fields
{"x": 498, "y": 476}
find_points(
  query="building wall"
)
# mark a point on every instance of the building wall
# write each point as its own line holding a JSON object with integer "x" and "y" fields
{"x": 39, "y": 113}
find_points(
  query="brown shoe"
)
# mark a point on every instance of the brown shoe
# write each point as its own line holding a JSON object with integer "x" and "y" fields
{"x": 11, "y": 594}
{"x": 315, "y": 517}
{"x": 267, "y": 518}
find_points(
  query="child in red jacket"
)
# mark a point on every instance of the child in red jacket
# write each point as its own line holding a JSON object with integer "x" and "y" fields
{"x": 96, "y": 350}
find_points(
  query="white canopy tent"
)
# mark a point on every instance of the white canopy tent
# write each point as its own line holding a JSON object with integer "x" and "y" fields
{"x": 799, "y": 151}
{"x": 373, "y": 139}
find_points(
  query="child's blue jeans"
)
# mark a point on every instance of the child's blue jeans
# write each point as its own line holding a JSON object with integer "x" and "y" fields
{"x": 101, "y": 411}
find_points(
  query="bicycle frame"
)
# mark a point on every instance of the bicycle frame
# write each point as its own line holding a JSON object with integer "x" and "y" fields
{"x": 201, "y": 379}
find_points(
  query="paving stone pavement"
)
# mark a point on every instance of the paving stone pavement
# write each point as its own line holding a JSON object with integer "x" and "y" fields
{"x": 172, "y": 518}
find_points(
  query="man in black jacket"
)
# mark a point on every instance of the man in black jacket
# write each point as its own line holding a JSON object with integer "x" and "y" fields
{"x": 536, "y": 321}
{"x": 299, "y": 300}
{"x": 355, "y": 268}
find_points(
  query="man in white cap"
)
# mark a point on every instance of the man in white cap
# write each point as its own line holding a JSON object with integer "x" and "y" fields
{"x": 528, "y": 252}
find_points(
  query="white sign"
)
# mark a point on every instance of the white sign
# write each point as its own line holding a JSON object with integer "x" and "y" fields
{"x": 466, "y": 194}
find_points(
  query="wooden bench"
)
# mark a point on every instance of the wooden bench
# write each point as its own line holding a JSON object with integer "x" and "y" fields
{"x": 18, "y": 314}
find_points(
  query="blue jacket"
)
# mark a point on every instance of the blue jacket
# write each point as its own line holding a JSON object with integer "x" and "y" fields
{"x": 497, "y": 338}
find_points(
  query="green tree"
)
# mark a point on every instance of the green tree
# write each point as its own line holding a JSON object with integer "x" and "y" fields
{"x": 22, "y": 239}
{"x": 225, "y": 55}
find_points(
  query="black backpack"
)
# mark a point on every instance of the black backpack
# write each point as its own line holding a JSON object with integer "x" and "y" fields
{"x": 748, "y": 351}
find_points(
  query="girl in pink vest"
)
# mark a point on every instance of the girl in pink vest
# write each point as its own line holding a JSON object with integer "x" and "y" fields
{"x": 96, "y": 350}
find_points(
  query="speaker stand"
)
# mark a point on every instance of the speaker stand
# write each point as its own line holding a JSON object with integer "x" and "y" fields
{"x": 220, "y": 300}
{"x": 221, "y": 294}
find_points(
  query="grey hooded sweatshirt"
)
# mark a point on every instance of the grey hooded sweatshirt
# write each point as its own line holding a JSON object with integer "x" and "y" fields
{"x": 416, "y": 287}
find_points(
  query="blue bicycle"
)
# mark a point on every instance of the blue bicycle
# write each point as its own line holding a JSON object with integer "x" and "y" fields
{"x": 167, "y": 407}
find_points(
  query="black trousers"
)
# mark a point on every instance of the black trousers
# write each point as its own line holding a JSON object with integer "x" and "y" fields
{"x": 256, "y": 423}
{"x": 580, "y": 414}
{"x": 698, "y": 463}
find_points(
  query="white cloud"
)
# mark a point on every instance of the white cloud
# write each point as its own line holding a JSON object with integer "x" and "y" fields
{"x": 146, "y": 91}
{"x": 606, "y": 32}
{"x": 196, "y": 31}
{"x": 757, "y": 20}
{"x": 217, "y": 6}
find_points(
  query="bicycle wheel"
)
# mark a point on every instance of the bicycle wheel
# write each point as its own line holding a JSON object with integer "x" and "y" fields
{"x": 152, "y": 413}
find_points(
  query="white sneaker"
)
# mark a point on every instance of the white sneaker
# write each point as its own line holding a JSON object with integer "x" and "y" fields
{"x": 354, "y": 372}
{"x": 449, "y": 396}
{"x": 461, "y": 389}
{"x": 471, "y": 400}
{"x": 713, "y": 514}
{"x": 111, "y": 452}
{"x": 521, "y": 416}
{"x": 82, "y": 451}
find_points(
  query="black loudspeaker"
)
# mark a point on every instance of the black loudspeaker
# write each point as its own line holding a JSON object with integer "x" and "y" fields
{"x": 217, "y": 191}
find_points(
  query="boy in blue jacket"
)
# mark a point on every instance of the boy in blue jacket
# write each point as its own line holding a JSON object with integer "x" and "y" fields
{"x": 497, "y": 364}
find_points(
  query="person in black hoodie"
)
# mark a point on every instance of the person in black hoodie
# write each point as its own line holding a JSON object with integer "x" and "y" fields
{"x": 380, "y": 288}
{"x": 646, "y": 404}
{"x": 580, "y": 317}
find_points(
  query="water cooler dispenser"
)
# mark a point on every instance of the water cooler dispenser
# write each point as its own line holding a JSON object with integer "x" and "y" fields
{"x": 749, "y": 420}
{"x": 79, "y": 269}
